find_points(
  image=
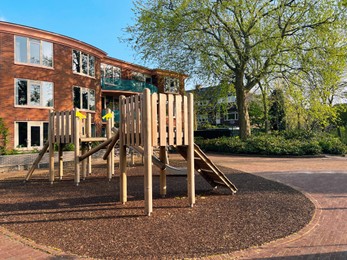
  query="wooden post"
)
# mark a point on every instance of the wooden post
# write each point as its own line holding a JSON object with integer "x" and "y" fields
{"x": 190, "y": 155}
{"x": 163, "y": 159}
{"x": 61, "y": 160}
{"x": 109, "y": 136}
{"x": 112, "y": 150}
{"x": 84, "y": 162}
{"x": 51, "y": 146}
{"x": 76, "y": 130}
{"x": 89, "y": 134}
{"x": 147, "y": 129}
{"x": 122, "y": 152}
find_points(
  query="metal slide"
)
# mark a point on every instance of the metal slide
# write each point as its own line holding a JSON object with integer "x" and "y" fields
{"x": 207, "y": 169}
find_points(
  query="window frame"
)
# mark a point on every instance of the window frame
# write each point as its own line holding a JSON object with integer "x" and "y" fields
{"x": 79, "y": 70}
{"x": 116, "y": 73}
{"x": 91, "y": 93}
{"x": 30, "y": 124}
{"x": 171, "y": 80}
{"x": 28, "y": 45}
{"x": 42, "y": 90}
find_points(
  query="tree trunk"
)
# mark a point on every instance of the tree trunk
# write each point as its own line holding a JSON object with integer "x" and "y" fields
{"x": 265, "y": 107}
{"x": 242, "y": 108}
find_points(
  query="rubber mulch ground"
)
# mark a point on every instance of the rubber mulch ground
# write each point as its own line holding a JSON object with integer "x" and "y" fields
{"x": 88, "y": 220}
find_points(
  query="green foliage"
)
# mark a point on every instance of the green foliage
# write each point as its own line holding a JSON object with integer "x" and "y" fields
{"x": 277, "y": 112}
{"x": 66, "y": 147}
{"x": 280, "y": 143}
{"x": 3, "y": 136}
{"x": 243, "y": 42}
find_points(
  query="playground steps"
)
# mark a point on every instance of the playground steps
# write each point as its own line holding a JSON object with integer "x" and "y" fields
{"x": 207, "y": 169}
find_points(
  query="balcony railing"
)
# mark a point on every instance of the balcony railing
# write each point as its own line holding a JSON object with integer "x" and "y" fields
{"x": 126, "y": 85}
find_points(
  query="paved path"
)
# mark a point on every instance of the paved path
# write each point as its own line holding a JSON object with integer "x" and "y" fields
{"x": 323, "y": 180}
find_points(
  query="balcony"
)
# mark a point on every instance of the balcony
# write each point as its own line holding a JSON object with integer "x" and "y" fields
{"x": 126, "y": 85}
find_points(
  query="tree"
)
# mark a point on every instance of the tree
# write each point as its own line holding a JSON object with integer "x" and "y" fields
{"x": 277, "y": 112}
{"x": 240, "y": 41}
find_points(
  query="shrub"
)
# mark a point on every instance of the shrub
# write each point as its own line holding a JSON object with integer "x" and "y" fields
{"x": 290, "y": 143}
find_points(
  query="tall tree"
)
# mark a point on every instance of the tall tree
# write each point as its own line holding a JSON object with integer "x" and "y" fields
{"x": 277, "y": 110}
{"x": 242, "y": 41}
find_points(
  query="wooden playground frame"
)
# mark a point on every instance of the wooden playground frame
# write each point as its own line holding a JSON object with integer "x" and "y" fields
{"x": 146, "y": 121}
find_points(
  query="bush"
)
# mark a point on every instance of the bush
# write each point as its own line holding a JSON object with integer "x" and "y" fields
{"x": 288, "y": 143}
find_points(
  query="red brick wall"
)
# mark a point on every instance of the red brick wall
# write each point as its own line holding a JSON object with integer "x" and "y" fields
{"x": 61, "y": 75}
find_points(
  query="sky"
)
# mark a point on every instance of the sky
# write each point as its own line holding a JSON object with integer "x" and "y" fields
{"x": 97, "y": 22}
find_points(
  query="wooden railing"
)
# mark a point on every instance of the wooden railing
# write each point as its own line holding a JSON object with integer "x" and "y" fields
{"x": 169, "y": 117}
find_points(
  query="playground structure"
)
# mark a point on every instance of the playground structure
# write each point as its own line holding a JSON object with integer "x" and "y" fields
{"x": 146, "y": 121}
{"x": 73, "y": 127}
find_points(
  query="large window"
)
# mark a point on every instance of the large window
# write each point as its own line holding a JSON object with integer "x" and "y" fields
{"x": 34, "y": 93}
{"x": 171, "y": 85}
{"x": 33, "y": 51}
{"x": 31, "y": 134}
{"x": 84, "y": 98}
{"x": 110, "y": 73}
{"x": 83, "y": 63}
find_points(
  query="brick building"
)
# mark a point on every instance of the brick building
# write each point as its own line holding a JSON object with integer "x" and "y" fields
{"x": 41, "y": 70}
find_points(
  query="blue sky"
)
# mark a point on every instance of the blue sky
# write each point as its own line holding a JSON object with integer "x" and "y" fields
{"x": 96, "y": 22}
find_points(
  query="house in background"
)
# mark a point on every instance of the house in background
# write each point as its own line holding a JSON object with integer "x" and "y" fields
{"x": 41, "y": 71}
{"x": 213, "y": 109}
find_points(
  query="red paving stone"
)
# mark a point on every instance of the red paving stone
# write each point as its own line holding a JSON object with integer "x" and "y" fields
{"x": 323, "y": 180}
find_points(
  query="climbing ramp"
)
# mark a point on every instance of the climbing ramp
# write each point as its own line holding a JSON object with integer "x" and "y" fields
{"x": 207, "y": 169}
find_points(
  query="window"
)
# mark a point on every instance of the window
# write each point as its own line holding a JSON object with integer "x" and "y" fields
{"x": 84, "y": 98}
{"x": 230, "y": 116}
{"x": 83, "y": 63}
{"x": 34, "y": 93}
{"x": 110, "y": 73}
{"x": 31, "y": 134}
{"x": 171, "y": 85}
{"x": 33, "y": 51}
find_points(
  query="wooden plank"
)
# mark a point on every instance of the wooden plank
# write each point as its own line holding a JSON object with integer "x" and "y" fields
{"x": 154, "y": 101}
{"x": 162, "y": 119}
{"x": 141, "y": 121}
{"x": 128, "y": 122}
{"x": 185, "y": 120}
{"x": 179, "y": 132}
{"x": 93, "y": 139}
{"x": 137, "y": 117}
{"x": 170, "y": 119}
{"x": 57, "y": 127}
{"x": 131, "y": 120}
{"x": 51, "y": 146}
{"x": 62, "y": 127}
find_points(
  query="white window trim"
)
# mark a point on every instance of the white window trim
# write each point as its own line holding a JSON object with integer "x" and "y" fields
{"x": 28, "y": 53}
{"x": 176, "y": 81}
{"x": 81, "y": 73}
{"x": 30, "y": 124}
{"x": 114, "y": 68}
{"x": 81, "y": 99}
{"x": 28, "y": 94}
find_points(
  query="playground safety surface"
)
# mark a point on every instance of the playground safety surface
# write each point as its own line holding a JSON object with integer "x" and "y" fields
{"x": 89, "y": 221}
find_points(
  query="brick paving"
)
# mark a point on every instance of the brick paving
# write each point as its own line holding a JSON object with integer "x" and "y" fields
{"x": 323, "y": 180}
